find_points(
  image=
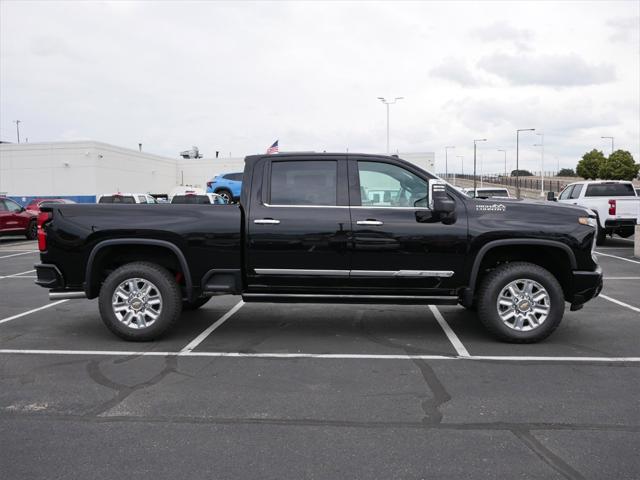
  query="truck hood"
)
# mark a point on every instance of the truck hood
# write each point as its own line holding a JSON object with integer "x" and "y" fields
{"x": 514, "y": 204}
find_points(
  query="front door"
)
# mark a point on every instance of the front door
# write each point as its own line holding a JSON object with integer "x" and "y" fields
{"x": 300, "y": 228}
{"x": 397, "y": 248}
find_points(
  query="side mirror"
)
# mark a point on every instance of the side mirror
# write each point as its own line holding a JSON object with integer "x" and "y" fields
{"x": 442, "y": 206}
{"x": 551, "y": 196}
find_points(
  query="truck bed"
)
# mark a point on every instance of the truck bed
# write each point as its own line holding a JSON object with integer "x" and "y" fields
{"x": 209, "y": 236}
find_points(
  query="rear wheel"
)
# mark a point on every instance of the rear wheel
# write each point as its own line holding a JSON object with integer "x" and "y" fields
{"x": 140, "y": 301}
{"x": 32, "y": 230}
{"x": 226, "y": 194}
{"x": 520, "y": 302}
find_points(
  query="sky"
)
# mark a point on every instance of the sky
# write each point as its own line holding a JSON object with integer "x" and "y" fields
{"x": 234, "y": 77}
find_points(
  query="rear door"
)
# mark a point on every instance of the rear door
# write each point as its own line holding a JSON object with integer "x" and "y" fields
{"x": 299, "y": 225}
{"x": 397, "y": 248}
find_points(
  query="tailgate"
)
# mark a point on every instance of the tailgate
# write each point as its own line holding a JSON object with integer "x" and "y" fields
{"x": 628, "y": 207}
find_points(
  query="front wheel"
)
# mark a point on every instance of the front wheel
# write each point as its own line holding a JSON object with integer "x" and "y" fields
{"x": 140, "y": 301}
{"x": 520, "y": 302}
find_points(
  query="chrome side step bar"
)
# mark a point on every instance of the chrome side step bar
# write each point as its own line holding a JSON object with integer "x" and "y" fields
{"x": 357, "y": 299}
{"x": 66, "y": 295}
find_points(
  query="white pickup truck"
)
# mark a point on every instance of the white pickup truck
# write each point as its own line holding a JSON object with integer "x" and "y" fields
{"x": 615, "y": 203}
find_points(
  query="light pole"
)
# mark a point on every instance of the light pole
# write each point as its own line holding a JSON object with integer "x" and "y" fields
{"x": 518, "y": 157}
{"x": 505, "y": 161}
{"x": 446, "y": 161}
{"x": 17, "y": 122}
{"x": 387, "y": 103}
{"x": 474, "y": 162}
{"x": 610, "y": 138}
{"x": 541, "y": 145}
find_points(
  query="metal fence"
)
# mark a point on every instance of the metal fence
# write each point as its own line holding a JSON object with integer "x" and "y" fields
{"x": 532, "y": 183}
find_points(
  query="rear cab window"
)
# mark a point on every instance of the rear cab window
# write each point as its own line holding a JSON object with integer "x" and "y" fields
{"x": 610, "y": 190}
{"x": 128, "y": 199}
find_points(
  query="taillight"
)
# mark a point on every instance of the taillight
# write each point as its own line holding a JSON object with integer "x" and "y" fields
{"x": 43, "y": 217}
{"x": 612, "y": 207}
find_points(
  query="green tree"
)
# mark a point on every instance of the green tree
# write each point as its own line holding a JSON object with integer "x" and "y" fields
{"x": 566, "y": 172}
{"x": 589, "y": 166}
{"x": 619, "y": 166}
{"x": 521, "y": 173}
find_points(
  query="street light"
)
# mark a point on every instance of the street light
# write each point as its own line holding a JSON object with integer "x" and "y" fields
{"x": 541, "y": 145}
{"x": 387, "y": 103}
{"x": 505, "y": 160}
{"x": 610, "y": 138}
{"x": 474, "y": 162}
{"x": 446, "y": 162}
{"x": 518, "y": 157}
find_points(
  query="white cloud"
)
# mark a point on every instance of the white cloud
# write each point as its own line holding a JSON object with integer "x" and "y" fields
{"x": 624, "y": 29}
{"x": 234, "y": 76}
{"x": 549, "y": 70}
{"x": 502, "y": 31}
{"x": 455, "y": 70}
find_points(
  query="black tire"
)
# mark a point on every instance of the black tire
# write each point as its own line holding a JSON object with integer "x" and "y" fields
{"x": 497, "y": 280}
{"x": 601, "y": 235}
{"x": 226, "y": 194}
{"x": 32, "y": 230}
{"x": 167, "y": 289}
{"x": 194, "y": 304}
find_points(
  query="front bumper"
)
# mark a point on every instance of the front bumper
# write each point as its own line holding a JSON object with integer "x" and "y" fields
{"x": 586, "y": 285}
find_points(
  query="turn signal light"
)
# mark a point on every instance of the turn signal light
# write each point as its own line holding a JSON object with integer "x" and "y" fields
{"x": 612, "y": 207}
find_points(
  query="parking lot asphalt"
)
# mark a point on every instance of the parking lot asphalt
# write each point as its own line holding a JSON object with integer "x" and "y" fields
{"x": 317, "y": 391}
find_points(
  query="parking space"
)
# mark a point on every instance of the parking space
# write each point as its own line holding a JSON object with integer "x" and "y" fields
{"x": 403, "y": 389}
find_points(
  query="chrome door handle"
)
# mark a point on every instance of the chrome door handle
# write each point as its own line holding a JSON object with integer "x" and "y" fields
{"x": 266, "y": 221}
{"x": 369, "y": 222}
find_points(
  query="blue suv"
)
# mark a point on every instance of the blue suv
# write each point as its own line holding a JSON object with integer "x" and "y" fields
{"x": 227, "y": 185}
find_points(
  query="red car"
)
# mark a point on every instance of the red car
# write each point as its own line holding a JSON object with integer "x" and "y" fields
{"x": 16, "y": 220}
{"x": 34, "y": 205}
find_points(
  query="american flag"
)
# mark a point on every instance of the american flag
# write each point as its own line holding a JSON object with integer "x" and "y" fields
{"x": 273, "y": 148}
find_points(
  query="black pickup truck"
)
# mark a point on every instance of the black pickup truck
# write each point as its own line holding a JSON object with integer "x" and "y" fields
{"x": 336, "y": 228}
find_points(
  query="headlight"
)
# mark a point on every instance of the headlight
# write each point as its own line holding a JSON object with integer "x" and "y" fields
{"x": 591, "y": 221}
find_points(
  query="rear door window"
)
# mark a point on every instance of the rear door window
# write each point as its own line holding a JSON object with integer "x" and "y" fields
{"x": 305, "y": 182}
{"x": 236, "y": 177}
{"x": 610, "y": 190}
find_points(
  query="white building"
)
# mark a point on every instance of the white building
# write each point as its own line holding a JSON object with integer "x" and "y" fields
{"x": 81, "y": 170}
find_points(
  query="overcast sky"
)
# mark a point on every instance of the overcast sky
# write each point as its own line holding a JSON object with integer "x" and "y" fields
{"x": 236, "y": 76}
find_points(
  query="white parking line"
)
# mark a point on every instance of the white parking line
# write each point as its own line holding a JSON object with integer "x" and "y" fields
{"x": 18, "y": 254}
{"x": 49, "y": 305}
{"x": 608, "y": 255}
{"x": 621, "y": 278}
{"x": 453, "y": 338}
{"x": 323, "y": 356}
{"x": 19, "y": 274}
{"x": 635, "y": 309}
{"x": 199, "y": 339}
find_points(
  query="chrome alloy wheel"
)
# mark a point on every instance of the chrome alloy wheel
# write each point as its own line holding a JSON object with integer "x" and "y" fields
{"x": 523, "y": 305}
{"x": 137, "y": 303}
